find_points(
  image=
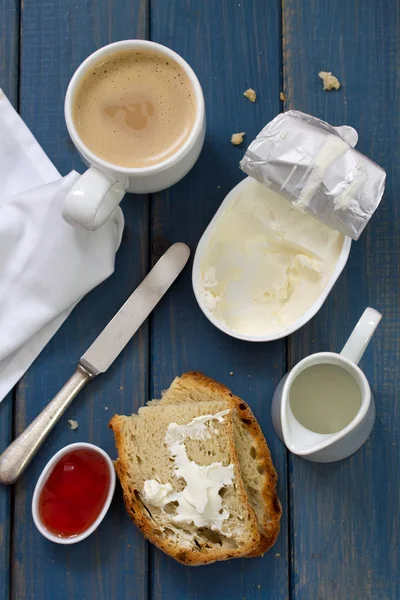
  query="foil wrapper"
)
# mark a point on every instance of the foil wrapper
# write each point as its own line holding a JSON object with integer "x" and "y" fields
{"x": 316, "y": 167}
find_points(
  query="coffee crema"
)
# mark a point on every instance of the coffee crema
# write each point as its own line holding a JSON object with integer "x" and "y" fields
{"x": 135, "y": 109}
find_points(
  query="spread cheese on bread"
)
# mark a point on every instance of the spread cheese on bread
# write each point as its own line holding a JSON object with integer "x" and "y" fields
{"x": 197, "y": 475}
{"x": 200, "y": 502}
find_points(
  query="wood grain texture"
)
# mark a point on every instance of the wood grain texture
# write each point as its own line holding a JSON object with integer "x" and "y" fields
{"x": 231, "y": 46}
{"x": 112, "y": 563}
{"x": 9, "y": 48}
{"x": 345, "y": 520}
{"x": 5, "y": 496}
{"x": 9, "y": 54}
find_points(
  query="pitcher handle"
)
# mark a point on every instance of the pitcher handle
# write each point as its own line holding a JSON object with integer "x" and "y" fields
{"x": 362, "y": 333}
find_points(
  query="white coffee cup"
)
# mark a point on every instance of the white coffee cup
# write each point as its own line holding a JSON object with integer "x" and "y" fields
{"x": 101, "y": 188}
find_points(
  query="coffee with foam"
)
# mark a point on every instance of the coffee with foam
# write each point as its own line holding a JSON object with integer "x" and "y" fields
{"x": 135, "y": 109}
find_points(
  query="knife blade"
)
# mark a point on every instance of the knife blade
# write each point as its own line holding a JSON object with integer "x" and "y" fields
{"x": 114, "y": 337}
{"x": 101, "y": 354}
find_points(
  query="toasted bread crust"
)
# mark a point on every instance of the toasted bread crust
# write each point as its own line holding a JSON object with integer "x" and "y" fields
{"x": 142, "y": 517}
{"x": 271, "y": 525}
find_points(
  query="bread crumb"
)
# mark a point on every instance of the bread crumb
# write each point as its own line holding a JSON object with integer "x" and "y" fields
{"x": 237, "y": 138}
{"x": 73, "y": 424}
{"x": 282, "y": 96}
{"x": 259, "y": 586}
{"x": 106, "y": 408}
{"x": 277, "y": 554}
{"x": 218, "y": 187}
{"x": 231, "y": 373}
{"x": 330, "y": 81}
{"x": 129, "y": 545}
{"x": 250, "y": 94}
{"x": 121, "y": 387}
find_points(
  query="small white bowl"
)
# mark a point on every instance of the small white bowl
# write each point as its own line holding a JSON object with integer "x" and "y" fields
{"x": 196, "y": 278}
{"x": 42, "y": 479}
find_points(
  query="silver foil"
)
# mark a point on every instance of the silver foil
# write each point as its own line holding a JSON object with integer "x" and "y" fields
{"x": 316, "y": 168}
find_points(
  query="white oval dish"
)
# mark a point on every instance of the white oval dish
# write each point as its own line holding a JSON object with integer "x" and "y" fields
{"x": 196, "y": 279}
{"x": 42, "y": 479}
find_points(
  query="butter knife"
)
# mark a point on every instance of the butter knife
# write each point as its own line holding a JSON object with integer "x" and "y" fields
{"x": 101, "y": 354}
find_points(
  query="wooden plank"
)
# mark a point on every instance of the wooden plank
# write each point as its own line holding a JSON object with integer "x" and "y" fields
{"x": 231, "y": 46}
{"x": 9, "y": 50}
{"x": 113, "y": 562}
{"x": 345, "y": 521}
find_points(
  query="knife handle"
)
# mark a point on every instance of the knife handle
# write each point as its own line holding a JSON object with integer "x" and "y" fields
{"x": 21, "y": 451}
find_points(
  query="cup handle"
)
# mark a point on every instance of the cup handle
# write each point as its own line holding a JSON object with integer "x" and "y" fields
{"x": 361, "y": 335}
{"x": 92, "y": 199}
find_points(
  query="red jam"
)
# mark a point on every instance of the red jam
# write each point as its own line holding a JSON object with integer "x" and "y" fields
{"x": 74, "y": 493}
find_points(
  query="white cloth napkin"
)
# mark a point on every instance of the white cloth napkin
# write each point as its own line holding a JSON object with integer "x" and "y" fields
{"x": 46, "y": 265}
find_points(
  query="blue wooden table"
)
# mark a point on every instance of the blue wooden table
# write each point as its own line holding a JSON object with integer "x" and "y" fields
{"x": 340, "y": 530}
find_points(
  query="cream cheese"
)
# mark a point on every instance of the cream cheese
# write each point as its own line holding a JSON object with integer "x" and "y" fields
{"x": 199, "y": 502}
{"x": 265, "y": 263}
{"x": 156, "y": 493}
{"x": 200, "y": 428}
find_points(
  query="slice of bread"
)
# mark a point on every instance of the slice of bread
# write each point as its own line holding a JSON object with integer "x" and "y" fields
{"x": 143, "y": 455}
{"x": 258, "y": 473}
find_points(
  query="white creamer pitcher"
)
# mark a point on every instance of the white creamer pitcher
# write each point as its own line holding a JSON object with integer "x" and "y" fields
{"x": 323, "y": 409}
